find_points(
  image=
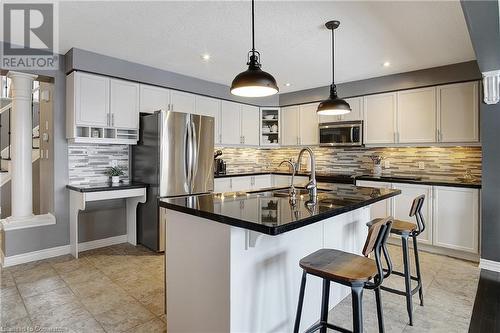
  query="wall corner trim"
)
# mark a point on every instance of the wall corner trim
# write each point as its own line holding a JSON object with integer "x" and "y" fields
{"x": 489, "y": 265}
{"x": 60, "y": 250}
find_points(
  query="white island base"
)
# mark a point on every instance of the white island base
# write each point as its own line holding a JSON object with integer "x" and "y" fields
{"x": 221, "y": 278}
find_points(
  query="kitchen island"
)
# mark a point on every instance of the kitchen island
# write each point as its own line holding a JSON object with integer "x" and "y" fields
{"x": 232, "y": 258}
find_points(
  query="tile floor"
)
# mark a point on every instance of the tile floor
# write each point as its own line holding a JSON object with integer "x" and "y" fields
{"x": 113, "y": 289}
{"x": 120, "y": 289}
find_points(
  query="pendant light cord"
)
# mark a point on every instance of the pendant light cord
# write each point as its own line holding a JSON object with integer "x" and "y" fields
{"x": 253, "y": 28}
{"x": 333, "y": 57}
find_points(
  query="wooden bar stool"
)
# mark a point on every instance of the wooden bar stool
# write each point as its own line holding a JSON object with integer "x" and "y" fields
{"x": 406, "y": 230}
{"x": 350, "y": 270}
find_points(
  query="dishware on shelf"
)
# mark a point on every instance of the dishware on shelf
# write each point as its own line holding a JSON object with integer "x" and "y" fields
{"x": 269, "y": 117}
{"x": 274, "y": 128}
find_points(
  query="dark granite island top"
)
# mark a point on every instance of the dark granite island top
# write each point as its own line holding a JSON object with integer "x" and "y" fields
{"x": 98, "y": 187}
{"x": 270, "y": 212}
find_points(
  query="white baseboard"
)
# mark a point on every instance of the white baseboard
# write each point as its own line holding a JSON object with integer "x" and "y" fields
{"x": 489, "y": 265}
{"x": 60, "y": 250}
{"x": 102, "y": 243}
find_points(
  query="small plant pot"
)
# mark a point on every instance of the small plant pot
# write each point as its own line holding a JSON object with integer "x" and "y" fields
{"x": 115, "y": 179}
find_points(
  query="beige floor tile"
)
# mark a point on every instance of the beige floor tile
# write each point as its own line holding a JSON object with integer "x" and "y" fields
{"x": 163, "y": 318}
{"x": 121, "y": 318}
{"x": 49, "y": 300}
{"x": 40, "y": 286}
{"x": 6, "y": 279}
{"x": 12, "y": 306}
{"x": 154, "y": 326}
{"x": 36, "y": 273}
{"x": 154, "y": 302}
{"x": 70, "y": 264}
{"x": 106, "y": 300}
{"x": 22, "y": 324}
{"x": 62, "y": 316}
{"x": 81, "y": 274}
{"x": 94, "y": 286}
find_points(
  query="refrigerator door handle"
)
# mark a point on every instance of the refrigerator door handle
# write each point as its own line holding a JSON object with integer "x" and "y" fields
{"x": 187, "y": 155}
{"x": 194, "y": 142}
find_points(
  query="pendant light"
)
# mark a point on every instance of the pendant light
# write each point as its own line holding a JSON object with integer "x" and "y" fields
{"x": 254, "y": 82}
{"x": 333, "y": 105}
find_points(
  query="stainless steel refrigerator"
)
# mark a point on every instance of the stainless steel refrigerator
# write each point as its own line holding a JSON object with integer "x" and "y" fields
{"x": 174, "y": 156}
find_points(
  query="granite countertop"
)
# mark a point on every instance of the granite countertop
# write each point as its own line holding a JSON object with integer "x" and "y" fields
{"x": 390, "y": 178}
{"x": 271, "y": 213}
{"x": 98, "y": 187}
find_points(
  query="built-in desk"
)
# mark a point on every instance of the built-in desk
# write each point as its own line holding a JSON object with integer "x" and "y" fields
{"x": 81, "y": 194}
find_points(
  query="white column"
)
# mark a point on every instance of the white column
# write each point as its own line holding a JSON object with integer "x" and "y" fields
{"x": 21, "y": 144}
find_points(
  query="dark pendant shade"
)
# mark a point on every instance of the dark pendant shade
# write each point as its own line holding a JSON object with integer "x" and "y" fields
{"x": 333, "y": 105}
{"x": 254, "y": 82}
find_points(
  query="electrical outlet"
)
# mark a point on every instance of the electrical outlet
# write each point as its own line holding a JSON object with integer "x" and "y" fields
{"x": 421, "y": 165}
{"x": 387, "y": 164}
{"x": 114, "y": 163}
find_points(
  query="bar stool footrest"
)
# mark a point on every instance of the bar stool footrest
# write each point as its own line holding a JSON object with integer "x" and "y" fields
{"x": 321, "y": 324}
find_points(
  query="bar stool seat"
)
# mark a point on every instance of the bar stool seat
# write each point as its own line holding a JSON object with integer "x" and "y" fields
{"x": 400, "y": 227}
{"x": 339, "y": 266}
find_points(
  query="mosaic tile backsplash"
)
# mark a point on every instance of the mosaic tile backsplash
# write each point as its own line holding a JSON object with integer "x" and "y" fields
{"x": 443, "y": 163}
{"x": 88, "y": 163}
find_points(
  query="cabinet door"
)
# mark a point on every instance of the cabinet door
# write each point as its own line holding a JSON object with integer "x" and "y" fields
{"x": 456, "y": 218}
{"x": 290, "y": 126}
{"x": 402, "y": 205}
{"x": 380, "y": 118}
{"x": 262, "y": 181}
{"x": 308, "y": 125}
{"x": 417, "y": 115}
{"x": 124, "y": 105}
{"x": 356, "y": 113}
{"x": 242, "y": 183}
{"x": 91, "y": 99}
{"x": 153, "y": 98}
{"x": 281, "y": 180}
{"x": 230, "y": 123}
{"x": 458, "y": 112}
{"x": 182, "y": 101}
{"x": 250, "y": 125}
{"x": 206, "y": 106}
{"x": 222, "y": 184}
{"x": 380, "y": 209}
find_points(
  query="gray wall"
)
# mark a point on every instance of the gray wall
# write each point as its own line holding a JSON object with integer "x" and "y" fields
{"x": 465, "y": 71}
{"x": 33, "y": 239}
{"x": 483, "y": 22}
{"x": 78, "y": 59}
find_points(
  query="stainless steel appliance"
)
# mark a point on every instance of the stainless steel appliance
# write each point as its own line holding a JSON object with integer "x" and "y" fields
{"x": 341, "y": 134}
{"x": 174, "y": 156}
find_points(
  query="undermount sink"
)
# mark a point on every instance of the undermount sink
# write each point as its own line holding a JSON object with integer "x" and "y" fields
{"x": 298, "y": 191}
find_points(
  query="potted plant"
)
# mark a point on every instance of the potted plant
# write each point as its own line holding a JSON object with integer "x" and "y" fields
{"x": 115, "y": 173}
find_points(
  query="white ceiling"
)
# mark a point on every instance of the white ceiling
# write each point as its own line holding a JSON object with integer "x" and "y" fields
{"x": 290, "y": 35}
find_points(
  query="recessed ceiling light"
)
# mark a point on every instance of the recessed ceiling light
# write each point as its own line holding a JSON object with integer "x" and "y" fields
{"x": 387, "y": 64}
{"x": 288, "y": 84}
{"x": 205, "y": 56}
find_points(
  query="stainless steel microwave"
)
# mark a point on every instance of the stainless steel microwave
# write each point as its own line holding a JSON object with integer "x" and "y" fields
{"x": 341, "y": 134}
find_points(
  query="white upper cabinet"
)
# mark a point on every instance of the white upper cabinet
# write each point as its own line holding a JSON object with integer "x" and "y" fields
{"x": 250, "y": 125}
{"x": 207, "y": 106}
{"x": 456, "y": 218}
{"x": 290, "y": 126}
{"x": 153, "y": 98}
{"x": 124, "y": 105}
{"x": 356, "y": 113}
{"x": 416, "y": 115}
{"x": 230, "y": 123}
{"x": 458, "y": 112}
{"x": 308, "y": 125}
{"x": 403, "y": 202}
{"x": 380, "y": 118}
{"x": 90, "y": 98}
{"x": 182, "y": 101}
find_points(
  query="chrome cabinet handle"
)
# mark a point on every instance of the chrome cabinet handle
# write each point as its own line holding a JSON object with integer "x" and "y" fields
{"x": 107, "y": 119}
{"x": 113, "y": 119}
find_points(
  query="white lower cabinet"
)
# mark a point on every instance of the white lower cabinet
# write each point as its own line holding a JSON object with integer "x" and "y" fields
{"x": 382, "y": 208}
{"x": 262, "y": 181}
{"x": 403, "y": 202}
{"x": 222, "y": 185}
{"x": 451, "y": 214}
{"x": 456, "y": 218}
